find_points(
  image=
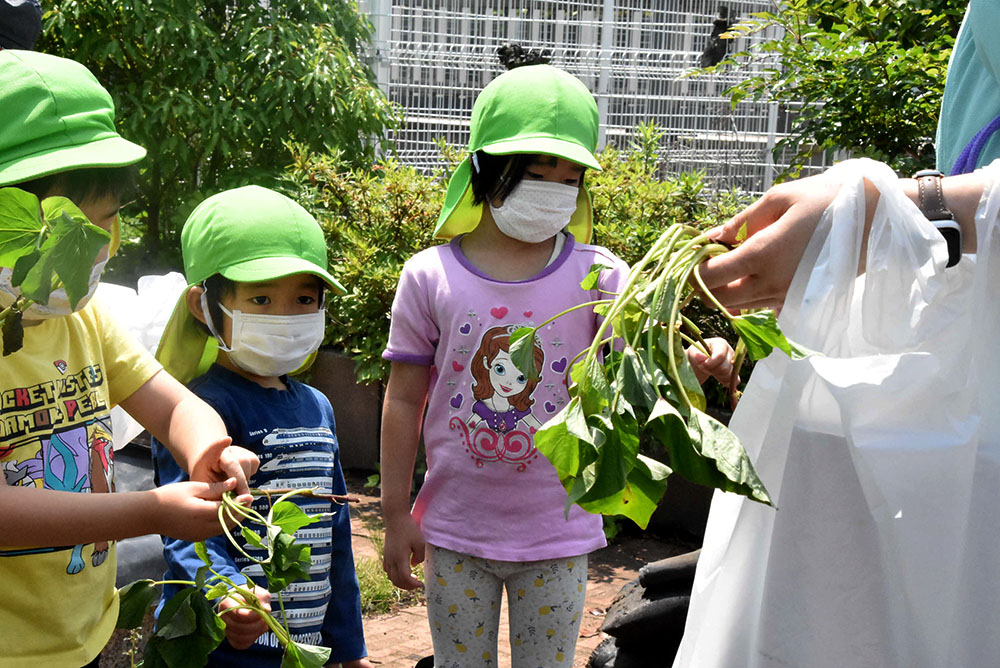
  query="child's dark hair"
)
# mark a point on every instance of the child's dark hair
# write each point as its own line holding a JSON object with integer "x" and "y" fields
{"x": 497, "y": 175}
{"x": 494, "y": 177}
{"x": 515, "y": 55}
{"x": 217, "y": 287}
{"x": 80, "y": 185}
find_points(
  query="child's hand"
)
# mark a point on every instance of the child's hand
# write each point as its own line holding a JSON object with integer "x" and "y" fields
{"x": 357, "y": 663}
{"x": 718, "y": 365}
{"x": 220, "y": 461}
{"x": 243, "y": 627}
{"x": 189, "y": 510}
{"x": 404, "y": 548}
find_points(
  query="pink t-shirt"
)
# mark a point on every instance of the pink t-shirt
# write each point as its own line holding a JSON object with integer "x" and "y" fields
{"x": 487, "y": 491}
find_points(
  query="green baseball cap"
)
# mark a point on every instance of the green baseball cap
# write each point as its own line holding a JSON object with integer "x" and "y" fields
{"x": 56, "y": 117}
{"x": 247, "y": 235}
{"x": 530, "y": 109}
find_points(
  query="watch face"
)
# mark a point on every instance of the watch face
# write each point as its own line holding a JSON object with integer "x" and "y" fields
{"x": 927, "y": 172}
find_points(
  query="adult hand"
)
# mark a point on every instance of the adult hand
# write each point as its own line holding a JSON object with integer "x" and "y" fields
{"x": 189, "y": 510}
{"x": 779, "y": 225}
{"x": 404, "y": 548}
{"x": 243, "y": 626}
{"x": 718, "y": 364}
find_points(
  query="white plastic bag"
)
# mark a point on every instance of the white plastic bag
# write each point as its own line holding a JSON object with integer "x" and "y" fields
{"x": 882, "y": 456}
{"x": 144, "y": 314}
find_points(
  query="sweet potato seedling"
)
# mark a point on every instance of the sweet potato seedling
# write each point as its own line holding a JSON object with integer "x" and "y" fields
{"x": 635, "y": 380}
{"x": 189, "y": 626}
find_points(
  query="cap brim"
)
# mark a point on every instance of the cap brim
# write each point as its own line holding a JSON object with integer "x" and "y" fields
{"x": 460, "y": 215}
{"x": 547, "y": 145}
{"x": 109, "y": 152}
{"x": 268, "y": 268}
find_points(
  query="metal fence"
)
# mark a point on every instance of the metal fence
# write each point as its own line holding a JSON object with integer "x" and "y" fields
{"x": 432, "y": 57}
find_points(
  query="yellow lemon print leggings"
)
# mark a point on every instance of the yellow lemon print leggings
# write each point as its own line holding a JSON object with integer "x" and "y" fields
{"x": 545, "y": 599}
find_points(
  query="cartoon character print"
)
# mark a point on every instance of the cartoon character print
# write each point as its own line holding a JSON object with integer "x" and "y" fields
{"x": 78, "y": 459}
{"x": 495, "y": 432}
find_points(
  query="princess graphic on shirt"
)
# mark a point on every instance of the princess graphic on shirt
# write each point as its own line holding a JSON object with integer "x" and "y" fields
{"x": 501, "y": 424}
{"x": 502, "y": 391}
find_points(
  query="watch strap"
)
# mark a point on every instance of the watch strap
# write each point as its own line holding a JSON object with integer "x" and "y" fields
{"x": 930, "y": 198}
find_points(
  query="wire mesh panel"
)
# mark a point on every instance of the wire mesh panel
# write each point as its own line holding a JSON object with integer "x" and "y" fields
{"x": 432, "y": 57}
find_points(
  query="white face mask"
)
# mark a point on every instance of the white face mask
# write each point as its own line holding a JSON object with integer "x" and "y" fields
{"x": 58, "y": 305}
{"x": 270, "y": 345}
{"x": 536, "y": 210}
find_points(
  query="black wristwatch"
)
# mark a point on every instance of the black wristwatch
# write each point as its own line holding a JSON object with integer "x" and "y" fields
{"x": 930, "y": 200}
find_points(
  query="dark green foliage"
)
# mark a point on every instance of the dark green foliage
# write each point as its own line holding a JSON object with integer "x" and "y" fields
{"x": 213, "y": 88}
{"x": 861, "y": 75}
{"x": 374, "y": 219}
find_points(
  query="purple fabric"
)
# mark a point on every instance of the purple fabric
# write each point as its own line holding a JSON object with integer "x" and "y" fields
{"x": 969, "y": 157}
{"x": 499, "y": 422}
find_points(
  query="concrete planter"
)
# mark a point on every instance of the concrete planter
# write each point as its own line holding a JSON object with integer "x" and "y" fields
{"x": 356, "y": 407}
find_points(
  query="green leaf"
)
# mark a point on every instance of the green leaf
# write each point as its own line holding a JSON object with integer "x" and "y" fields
{"x": 716, "y": 442}
{"x": 299, "y": 655}
{"x": 189, "y": 631}
{"x": 567, "y": 452}
{"x": 20, "y": 224}
{"x": 761, "y": 334}
{"x": 23, "y": 266}
{"x": 177, "y": 618}
{"x": 202, "y": 551}
{"x": 589, "y": 281}
{"x": 522, "y": 351}
{"x": 253, "y": 538}
{"x": 290, "y": 517}
{"x": 134, "y": 601}
{"x": 591, "y": 385}
{"x": 77, "y": 244}
{"x": 289, "y": 561}
{"x": 638, "y": 386}
{"x": 201, "y": 576}
{"x": 218, "y": 590}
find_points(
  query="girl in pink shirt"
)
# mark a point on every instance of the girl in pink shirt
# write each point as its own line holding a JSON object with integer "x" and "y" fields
{"x": 491, "y": 513}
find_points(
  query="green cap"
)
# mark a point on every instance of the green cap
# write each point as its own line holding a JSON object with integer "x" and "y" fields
{"x": 56, "y": 117}
{"x": 247, "y": 235}
{"x": 531, "y": 109}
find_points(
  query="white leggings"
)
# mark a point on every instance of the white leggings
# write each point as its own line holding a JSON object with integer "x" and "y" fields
{"x": 545, "y": 600}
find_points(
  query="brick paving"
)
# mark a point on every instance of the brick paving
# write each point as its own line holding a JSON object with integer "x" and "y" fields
{"x": 401, "y": 638}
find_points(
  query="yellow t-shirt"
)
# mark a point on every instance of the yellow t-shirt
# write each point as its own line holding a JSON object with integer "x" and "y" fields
{"x": 58, "y": 606}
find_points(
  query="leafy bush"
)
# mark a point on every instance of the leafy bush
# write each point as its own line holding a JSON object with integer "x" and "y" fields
{"x": 213, "y": 88}
{"x": 869, "y": 74}
{"x": 376, "y": 218}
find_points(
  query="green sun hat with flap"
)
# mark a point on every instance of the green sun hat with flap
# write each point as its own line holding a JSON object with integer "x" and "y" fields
{"x": 530, "y": 109}
{"x": 247, "y": 235}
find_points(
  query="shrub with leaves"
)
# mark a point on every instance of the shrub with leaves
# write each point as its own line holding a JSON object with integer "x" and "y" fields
{"x": 863, "y": 75}
{"x": 212, "y": 88}
{"x": 374, "y": 218}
